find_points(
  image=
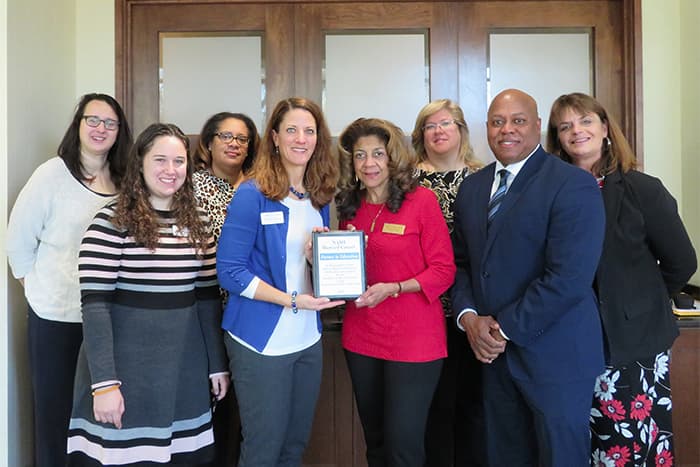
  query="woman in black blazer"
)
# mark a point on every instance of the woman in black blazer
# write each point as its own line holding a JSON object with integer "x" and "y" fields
{"x": 647, "y": 257}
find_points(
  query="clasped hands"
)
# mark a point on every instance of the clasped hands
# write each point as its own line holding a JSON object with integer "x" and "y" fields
{"x": 484, "y": 336}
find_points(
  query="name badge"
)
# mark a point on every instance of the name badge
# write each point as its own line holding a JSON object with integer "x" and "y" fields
{"x": 269, "y": 218}
{"x": 178, "y": 232}
{"x": 397, "y": 229}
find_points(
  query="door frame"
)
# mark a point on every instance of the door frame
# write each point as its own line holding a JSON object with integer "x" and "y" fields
{"x": 630, "y": 62}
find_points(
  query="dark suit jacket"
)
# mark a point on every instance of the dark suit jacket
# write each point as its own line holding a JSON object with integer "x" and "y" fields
{"x": 647, "y": 257}
{"x": 534, "y": 267}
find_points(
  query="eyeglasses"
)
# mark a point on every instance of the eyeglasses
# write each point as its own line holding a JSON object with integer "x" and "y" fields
{"x": 445, "y": 124}
{"x": 228, "y": 137}
{"x": 94, "y": 121}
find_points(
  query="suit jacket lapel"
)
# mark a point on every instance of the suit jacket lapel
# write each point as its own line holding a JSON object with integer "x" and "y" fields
{"x": 528, "y": 173}
{"x": 483, "y": 196}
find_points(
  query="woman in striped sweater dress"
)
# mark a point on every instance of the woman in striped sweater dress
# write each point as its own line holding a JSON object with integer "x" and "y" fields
{"x": 151, "y": 319}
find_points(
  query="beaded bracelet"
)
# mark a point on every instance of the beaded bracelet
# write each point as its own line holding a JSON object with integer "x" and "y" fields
{"x": 294, "y": 302}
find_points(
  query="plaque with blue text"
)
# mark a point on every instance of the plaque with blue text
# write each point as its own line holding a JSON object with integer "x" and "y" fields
{"x": 339, "y": 264}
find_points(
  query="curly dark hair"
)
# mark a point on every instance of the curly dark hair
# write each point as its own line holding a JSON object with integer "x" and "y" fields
{"x": 402, "y": 162}
{"x": 321, "y": 176}
{"x": 133, "y": 211}
{"x": 69, "y": 149}
{"x": 202, "y": 154}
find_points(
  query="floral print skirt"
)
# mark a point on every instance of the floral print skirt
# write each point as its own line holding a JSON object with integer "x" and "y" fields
{"x": 631, "y": 415}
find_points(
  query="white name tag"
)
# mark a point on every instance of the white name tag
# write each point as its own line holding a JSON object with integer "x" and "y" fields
{"x": 268, "y": 218}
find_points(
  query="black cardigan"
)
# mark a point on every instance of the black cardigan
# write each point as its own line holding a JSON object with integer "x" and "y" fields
{"x": 647, "y": 257}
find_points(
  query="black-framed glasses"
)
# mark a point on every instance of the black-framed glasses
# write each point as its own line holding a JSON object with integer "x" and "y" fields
{"x": 445, "y": 124}
{"x": 228, "y": 137}
{"x": 94, "y": 121}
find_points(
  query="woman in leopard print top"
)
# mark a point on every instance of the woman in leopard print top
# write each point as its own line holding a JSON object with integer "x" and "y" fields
{"x": 227, "y": 146}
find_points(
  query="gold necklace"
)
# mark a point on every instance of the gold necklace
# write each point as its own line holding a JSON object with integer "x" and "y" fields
{"x": 371, "y": 227}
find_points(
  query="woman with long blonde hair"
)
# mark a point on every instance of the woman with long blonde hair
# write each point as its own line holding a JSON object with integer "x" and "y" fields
{"x": 454, "y": 435}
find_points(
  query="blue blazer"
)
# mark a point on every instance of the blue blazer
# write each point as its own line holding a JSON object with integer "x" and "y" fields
{"x": 247, "y": 249}
{"x": 532, "y": 271}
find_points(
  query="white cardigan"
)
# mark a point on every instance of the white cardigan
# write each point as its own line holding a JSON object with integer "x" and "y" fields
{"x": 48, "y": 220}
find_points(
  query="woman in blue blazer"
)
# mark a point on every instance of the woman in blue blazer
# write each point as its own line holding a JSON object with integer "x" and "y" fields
{"x": 647, "y": 257}
{"x": 272, "y": 324}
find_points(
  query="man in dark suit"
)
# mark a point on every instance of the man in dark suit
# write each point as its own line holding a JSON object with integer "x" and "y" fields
{"x": 527, "y": 243}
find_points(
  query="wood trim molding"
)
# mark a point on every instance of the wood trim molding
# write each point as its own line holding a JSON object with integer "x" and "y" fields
{"x": 633, "y": 124}
{"x": 121, "y": 45}
{"x": 628, "y": 70}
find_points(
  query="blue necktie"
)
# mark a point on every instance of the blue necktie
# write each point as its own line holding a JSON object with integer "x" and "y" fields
{"x": 495, "y": 201}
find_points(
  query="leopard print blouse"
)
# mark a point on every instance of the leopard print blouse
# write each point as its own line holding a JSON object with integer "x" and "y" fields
{"x": 214, "y": 195}
{"x": 445, "y": 185}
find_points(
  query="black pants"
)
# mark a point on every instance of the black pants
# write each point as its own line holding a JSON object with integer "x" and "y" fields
{"x": 455, "y": 434}
{"x": 393, "y": 399}
{"x": 53, "y": 354}
{"x": 227, "y": 431}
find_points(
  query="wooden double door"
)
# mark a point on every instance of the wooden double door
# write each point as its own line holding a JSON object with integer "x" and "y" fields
{"x": 293, "y": 45}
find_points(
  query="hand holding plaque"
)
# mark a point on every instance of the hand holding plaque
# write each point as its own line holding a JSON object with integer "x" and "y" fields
{"x": 339, "y": 264}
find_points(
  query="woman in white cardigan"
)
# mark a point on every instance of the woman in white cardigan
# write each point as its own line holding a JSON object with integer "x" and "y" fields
{"x": 47, "y": 223}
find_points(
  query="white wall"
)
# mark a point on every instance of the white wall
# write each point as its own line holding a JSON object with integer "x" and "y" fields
{"x": 689, "y": 118}
{"x": 56, "y": 51}
{"x": 662, "y": 92}
{"x": 40, "y": 58}
{"x": 4, "y": 334}
{"x": 94, "y": 46}
{"x": 672, "y": 103}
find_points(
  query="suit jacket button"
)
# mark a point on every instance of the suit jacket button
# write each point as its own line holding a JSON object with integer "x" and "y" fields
{"x": 485, "y": 275}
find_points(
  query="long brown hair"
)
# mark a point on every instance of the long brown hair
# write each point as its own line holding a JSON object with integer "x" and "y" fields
{"x": 134, "y": 212}
{"x": 321, "y": 175}
{"x": 616, "y": 153}
{"x": 402, "y": 163}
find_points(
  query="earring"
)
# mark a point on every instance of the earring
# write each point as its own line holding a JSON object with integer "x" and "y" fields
{"x": 277, "y": 150}
{"x": 608, "y": 143}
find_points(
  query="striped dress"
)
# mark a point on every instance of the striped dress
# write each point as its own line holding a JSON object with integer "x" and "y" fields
{"x": 151, "y": 320}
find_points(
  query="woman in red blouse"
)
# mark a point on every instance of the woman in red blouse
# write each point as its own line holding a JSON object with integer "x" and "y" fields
{"x": 394, "y": 333}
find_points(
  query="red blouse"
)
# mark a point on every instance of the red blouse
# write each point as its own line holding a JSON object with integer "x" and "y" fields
{"x": 411, "y": 244}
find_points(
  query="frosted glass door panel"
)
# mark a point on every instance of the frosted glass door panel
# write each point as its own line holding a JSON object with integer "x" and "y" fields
{"x": 201, "y": 75}
{"x": 375, "y": 75}
{"x": 545, "y": 65}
